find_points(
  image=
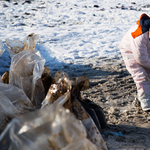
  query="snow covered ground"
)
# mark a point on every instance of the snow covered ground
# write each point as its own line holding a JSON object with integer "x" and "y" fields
{"x": 74, "y": 35}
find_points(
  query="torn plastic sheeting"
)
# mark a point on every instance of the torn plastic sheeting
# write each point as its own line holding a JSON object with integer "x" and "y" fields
{"x": 7, "y": 111}
{"x": 52, "y": 128}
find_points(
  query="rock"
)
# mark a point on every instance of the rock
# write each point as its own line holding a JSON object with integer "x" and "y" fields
{"x": 27, "y": 1}
{"x": 113, "y": 111}
{"x": 136, "y": 103}
{"x": 27, "y": 13}
{"x": 96, "y": 6}
{"x": 5, "y": 5}
{"x": 133, "y": 3}
{"x": 148, "y": 118}
{"x": 15, "y": 3}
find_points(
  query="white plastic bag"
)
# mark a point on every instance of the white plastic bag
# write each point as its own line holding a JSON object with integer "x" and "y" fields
{"x": 30, "y": 42}
{"x": 26, "y": 68}
{"x": 16, "y": 96}
{"x": 52, "y": 128}
{"x": 14, "y": 46}
{"x": 17, "y": 46}
{"x": 7, "y": 111}
{"x": 25, "y": 72}
{"x": 13, "y": 102}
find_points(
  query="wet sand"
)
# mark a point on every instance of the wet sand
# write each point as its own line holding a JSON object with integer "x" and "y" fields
{"x": 115, "y": 91}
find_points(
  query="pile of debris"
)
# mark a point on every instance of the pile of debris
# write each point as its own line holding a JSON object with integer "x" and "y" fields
{"x": 41, "y": 112}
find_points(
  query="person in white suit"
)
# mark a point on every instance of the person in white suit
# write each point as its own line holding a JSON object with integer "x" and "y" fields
{"x": 135, "y": 50}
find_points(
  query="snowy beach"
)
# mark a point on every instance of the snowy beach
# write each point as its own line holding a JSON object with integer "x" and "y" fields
{"x": 81, "y": 37}
{"x": 73, "y": 34}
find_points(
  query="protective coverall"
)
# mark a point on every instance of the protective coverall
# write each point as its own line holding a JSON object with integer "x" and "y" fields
{"x": 135, "y": 50}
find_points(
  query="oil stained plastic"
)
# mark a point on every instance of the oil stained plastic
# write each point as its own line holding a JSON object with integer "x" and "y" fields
{"x": 25, "y": 72}
{"x": 13, "y": 102}
{"x": 26, "y": 68}
{"x": 66, "y": 92}
{"x": 52, "y": 128}
{"x": 17, "y": 46}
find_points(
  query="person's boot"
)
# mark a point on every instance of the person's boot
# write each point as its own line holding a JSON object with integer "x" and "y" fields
{"x": 145, "y": 102}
